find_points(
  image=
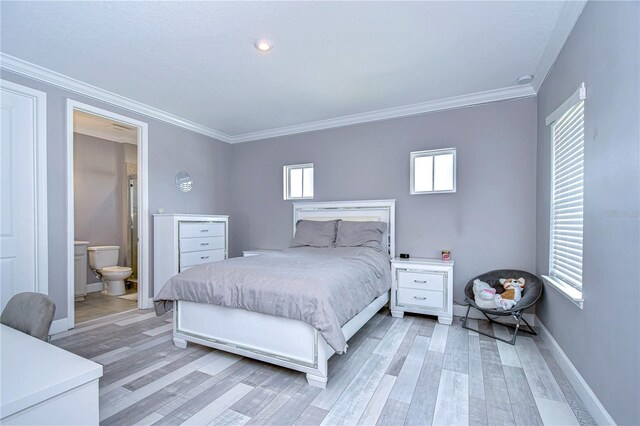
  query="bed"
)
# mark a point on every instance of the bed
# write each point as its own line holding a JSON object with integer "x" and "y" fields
{"x": 272, "y": 311}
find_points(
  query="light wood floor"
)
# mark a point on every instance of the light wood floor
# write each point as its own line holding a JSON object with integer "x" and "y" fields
{"x": 410, "y": 371}
{"x": 97, "y": 305}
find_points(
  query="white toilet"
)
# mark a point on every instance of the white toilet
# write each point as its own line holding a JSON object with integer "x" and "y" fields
{"x": 104, "y": 260}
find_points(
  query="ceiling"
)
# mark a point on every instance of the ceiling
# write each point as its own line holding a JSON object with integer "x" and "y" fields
{"x": 196, "y": 60}
{"x": 104, "y": 128}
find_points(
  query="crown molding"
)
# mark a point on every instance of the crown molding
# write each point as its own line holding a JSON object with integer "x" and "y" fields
{"x": 36, "y": 72}
{"x": 478, "y": 98}
{"x": 568, "y": 17}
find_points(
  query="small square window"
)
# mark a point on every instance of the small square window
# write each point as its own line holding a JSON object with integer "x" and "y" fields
{"x": 298, "y": 182}
{"x": 433, "y": 171}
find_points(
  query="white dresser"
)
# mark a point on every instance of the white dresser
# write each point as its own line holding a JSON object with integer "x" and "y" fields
{"x": 181, "y": 241}
{"x": 423, "y": 286}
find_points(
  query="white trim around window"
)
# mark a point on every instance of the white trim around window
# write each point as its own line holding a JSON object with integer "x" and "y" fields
{"x": 298, "y": 181}
{"x": 433, "y": 171}
{"x": 566, "y": 226}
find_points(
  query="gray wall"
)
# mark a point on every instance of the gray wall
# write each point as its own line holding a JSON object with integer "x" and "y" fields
{"x": 602, "y": 339}
{"x": 489, "y": 223}
{"x": 171, "y": 149}
{"x": 100, "y": 193}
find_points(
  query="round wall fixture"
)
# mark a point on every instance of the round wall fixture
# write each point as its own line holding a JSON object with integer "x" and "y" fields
{"x": 525, "y": 79}
{"x": 184, "y": 182}
{"x": 263, "y": 45}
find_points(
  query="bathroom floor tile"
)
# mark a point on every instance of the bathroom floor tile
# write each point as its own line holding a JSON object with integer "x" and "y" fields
{"x": 97, "y": 305}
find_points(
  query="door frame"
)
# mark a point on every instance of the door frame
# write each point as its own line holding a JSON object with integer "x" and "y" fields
{"x": 39, "y": 100}
{"x": 144, "y": 301}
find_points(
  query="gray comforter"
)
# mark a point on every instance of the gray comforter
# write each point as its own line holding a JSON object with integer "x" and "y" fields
{"x": 324, "y": 287}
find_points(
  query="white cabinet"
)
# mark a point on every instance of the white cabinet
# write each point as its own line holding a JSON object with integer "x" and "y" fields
{"x": 80, "y": 269}
{"x": 181, "y": 241}
{"x": 423, "y": 286}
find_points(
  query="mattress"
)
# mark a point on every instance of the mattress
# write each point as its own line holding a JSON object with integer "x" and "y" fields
{"x": 324, "y": 287}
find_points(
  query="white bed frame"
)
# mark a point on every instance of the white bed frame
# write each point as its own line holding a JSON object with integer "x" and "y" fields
{"x": 289, "y": 343}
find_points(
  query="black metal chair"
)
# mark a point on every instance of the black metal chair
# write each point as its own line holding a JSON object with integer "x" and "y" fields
{"x": 530, "y": 295}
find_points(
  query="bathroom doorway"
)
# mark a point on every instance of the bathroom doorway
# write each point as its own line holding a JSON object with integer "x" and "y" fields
{"x": 107, "y": 214}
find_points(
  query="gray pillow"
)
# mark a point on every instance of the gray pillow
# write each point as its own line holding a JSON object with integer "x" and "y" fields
{"x": 360, "y": 234}
{"x": 315, "y": 233}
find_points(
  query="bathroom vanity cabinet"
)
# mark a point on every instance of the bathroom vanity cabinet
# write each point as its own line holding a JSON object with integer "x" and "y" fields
{"x": 80, "y": 269}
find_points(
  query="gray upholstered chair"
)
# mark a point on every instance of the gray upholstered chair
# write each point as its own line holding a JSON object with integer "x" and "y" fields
{"x": 30, "y": 313}
{"x": 530, "y": 295}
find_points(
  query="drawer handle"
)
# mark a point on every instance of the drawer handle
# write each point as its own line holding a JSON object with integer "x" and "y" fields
{"x": 204, "y": 257}
{"x": 419, "y": 281}
{"x": 204, "y": 230}
{"x": 204, "y": 244}
{"x": 420, "y": 298}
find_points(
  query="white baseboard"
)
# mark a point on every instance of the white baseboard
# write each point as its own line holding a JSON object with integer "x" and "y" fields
{"x": 94, "y": 287}
{"x": 59, "y": 326}
{"x": 461, "y": 311}
{"x": 590, "y": 400}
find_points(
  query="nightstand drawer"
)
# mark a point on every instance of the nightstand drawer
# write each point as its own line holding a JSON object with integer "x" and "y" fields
{"x": 424, "y": 298}
{"x": 433, "y": 281}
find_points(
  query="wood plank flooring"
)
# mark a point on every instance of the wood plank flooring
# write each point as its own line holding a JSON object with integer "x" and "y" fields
{"x": 410, "y": 371}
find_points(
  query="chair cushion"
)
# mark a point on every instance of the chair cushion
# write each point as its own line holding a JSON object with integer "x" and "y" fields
{"x": 530, "y": 295}
{"x": 30, "y": 313}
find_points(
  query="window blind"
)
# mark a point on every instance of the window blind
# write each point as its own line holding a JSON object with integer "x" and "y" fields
{"x": 567, "y": 208}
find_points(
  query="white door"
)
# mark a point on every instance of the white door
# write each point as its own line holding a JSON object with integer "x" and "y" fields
{"x": 23, "y": 263}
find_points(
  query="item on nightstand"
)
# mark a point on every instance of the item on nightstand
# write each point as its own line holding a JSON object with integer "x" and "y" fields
{"x": 404, "y": 255}
{"x": 446, "y": 255}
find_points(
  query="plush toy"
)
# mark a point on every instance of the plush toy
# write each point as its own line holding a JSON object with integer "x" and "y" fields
{"x": 486, "y": 297}
{"x": 512, "y": 291}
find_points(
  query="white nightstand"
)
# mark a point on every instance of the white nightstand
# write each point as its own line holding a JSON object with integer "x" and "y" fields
{"x": 256, "y": 252}
{"x": 423, "y": 286}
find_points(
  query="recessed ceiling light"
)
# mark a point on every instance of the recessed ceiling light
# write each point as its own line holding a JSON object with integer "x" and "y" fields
{"x": 525, "y": 79}
{"x": 263, "y": 45}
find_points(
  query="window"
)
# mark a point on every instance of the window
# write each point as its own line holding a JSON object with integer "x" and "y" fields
{"x": 298, "y": 182}
{"x": 433, "y": 171}
{"x": 566, "y": 196}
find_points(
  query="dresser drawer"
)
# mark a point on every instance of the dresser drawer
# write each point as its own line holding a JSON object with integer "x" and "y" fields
{"x": 200, "y": 244}
{"x": 433, "y": 281}
{"x": 199, "y": 257}
{"x": 424, "y": 298}
{"x": 201, "y": 229}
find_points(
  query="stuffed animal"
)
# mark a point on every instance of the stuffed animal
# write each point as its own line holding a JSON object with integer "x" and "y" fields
{"x": 512, "y": 291}
{"x": 486, "y": 297}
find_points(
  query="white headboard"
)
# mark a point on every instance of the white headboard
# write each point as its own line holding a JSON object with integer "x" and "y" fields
{"x": 370, "y": 210}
